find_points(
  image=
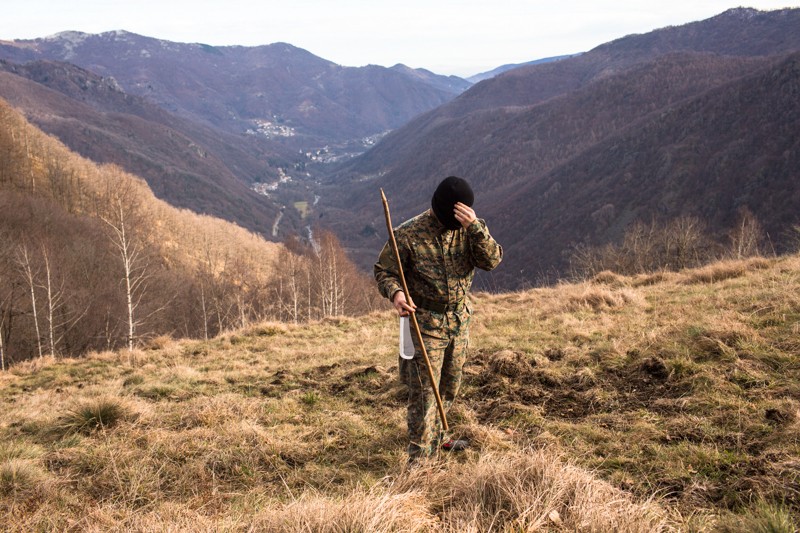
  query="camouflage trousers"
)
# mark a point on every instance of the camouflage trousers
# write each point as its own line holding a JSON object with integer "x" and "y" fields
{"x": 446, "y": 344}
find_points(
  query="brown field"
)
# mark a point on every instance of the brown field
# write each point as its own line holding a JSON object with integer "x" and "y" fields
{"x": 658, "y": 403}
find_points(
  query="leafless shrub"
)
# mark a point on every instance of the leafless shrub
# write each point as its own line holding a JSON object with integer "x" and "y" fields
{"x": 647, "y": 247}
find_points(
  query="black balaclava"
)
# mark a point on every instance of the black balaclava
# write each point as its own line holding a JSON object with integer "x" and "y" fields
{"x": 451, "y": 190}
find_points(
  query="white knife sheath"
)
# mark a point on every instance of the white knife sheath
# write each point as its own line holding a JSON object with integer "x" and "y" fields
{"x": 406, "y": 344}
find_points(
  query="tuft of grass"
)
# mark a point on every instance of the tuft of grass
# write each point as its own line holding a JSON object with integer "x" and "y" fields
{"x": 646, "y": 280}
{"x": 18, "y": 478}
{"x": 598, "y": 298}
{"x": 12, "y": 449}
{"x": 529, "y": 491}
{"x": 595, "y": 299}
{"x": 162, "y": 391}
{"x": 374, "y": 512}
{"x": 606, "y": 277}
{"x": 310, "y": 398}
{"x": 158, "y": 343}
{"x": 764, "y": 517}
{"x": 269, "y": 329}
{"x": 92, "y": 415}
{"x": 133, "y": 379}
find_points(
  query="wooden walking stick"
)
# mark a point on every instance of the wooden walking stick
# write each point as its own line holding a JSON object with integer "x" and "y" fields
{"x": 413, "y": 315}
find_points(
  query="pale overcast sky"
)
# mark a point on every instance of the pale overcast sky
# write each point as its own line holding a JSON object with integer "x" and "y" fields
{"x": 446, "y": 36}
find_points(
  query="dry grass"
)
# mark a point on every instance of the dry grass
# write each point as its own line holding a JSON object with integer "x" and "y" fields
{"x": 512, "y": 491}
{"x": 18, "y": 479}
{"x": 92, "y": 415}
{"x": 726, "y": 270}
{"x": 642, "y": 404}
{"x": 606, "y": 277}
{"x": 668, "y": 384}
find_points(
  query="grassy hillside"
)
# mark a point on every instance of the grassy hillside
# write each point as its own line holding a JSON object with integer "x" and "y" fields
{"x": 650, "y": 403}
{"x": 75, "y": 235}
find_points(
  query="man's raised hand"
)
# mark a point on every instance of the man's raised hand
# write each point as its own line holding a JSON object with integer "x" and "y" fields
{"x": 464, "y": 214}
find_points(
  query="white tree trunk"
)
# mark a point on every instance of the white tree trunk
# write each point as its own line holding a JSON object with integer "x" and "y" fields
{"x": 2, "y": 348}
{"x": 205, "y": 312}
{"x": 51, "y": 303}
{"x": 24, "y": 261}
{"x": 134, "y": 268}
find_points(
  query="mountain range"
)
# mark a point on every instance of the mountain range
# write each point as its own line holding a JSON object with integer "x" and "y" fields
{"x": 236, "y": 87}
{"x": 571, "y": 152}
{"x": 699, "y": 120}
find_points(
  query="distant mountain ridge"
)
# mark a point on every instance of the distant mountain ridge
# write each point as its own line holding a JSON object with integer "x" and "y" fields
{"x": 732, "y": 148}
{"x": 447, "y": 83}
{"x": 231, "y": 87}
{"x": 511, "y": 66}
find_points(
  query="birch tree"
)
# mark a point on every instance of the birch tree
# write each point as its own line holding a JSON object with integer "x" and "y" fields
{"x": 330, "y": 274}
{"x": 746, "y": 236}
{"x": 289, "y": 290}
{"x": 30, "y": 275}
{"x": 120, "y": 220}
{"x": 59, "y": 319}
{"x": 3, "y": 302}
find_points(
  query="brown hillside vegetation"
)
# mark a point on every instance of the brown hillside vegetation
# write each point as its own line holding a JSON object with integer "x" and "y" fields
{"x": 666, "y": 402}
{"x": 698, "y": 120}
{"x": 92, "y": 260}
{"x": 188, "y": 164}
{"x": 730, "y": 149}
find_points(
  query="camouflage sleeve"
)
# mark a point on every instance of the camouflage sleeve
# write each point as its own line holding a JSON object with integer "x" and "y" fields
{"x": 386, "y": 272}
{"x": 486, "y": 253}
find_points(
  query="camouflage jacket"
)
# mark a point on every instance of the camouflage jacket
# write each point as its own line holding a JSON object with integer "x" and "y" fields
{"x": 439, "y": 264}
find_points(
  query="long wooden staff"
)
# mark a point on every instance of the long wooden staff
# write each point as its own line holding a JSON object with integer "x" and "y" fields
{"x": 413, "y": 316}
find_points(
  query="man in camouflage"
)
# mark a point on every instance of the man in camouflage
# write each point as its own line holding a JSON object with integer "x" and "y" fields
{"x": 439, "y": 250}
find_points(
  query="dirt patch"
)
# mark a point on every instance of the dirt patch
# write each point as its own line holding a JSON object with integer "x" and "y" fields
{"x": 365, "y": 384}
{"x": 655, "y": 367}
{"x": 493, "y": 379}
{"x": 511, "y": 364}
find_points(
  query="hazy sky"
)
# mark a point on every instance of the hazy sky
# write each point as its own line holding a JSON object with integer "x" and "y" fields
{"x": 446, "y": 36}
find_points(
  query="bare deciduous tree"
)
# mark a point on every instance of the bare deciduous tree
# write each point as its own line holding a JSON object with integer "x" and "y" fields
{"x": 746, "y": 236}
{"x": 4, "y": 299}
{"x": 59, "y": 319}
{"x": 289, "y": 290}
{"x": 684, "y": 242}
{"x": 30, "y": 275}
{"x": 328, "y": 275}
{"x": 54, "y": 300}
{"x": 119, "y": 219}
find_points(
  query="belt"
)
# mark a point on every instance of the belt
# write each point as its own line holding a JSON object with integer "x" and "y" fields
{"x": 433, "y": 305}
